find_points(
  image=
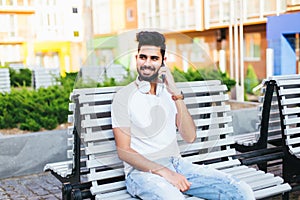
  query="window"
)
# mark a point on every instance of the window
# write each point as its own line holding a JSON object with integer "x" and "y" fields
{"x": 9, "y": 2}
{"x": 13, "y": 25}
{"x": 51, "y": 2}
{"x": 293, "y": 2}
{"x": 21, "y": 3}
{"x": 47, "y": 59}
{"x": 252, "y": 49}
{"x": 76, "y": 33}
{"x": 10, "y": 53}
{"x": 101, "y": 26}
{"x": 75, "y": 10}
{"x": 130, "y": 14}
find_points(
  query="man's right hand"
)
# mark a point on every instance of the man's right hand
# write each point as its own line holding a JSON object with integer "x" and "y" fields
{"x": 176, "y": 179}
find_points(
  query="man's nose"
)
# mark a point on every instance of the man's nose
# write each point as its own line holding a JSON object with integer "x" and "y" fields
{"x": 147, "y": 61}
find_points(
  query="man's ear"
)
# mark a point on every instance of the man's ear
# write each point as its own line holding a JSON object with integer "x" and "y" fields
{"x": 165, "y": 59}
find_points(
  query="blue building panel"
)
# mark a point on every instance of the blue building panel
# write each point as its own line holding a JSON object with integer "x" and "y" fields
{"x": 288, "y": 57}
{"x": 284, "y": 52}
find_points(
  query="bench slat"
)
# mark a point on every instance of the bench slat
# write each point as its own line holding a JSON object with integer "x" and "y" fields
{"x": 217, "y": 120}
{"x": 295, "y": 151}
{"x": 291, "y": 141}
{"x": 109, "y": 187}
{"x": 184, "y": 148}
{"x": 289, "y": 81}
{"x": 105, "y": 174}
{"x": 211, "y": 155}
{"x": 266, "y": 192}
{"x": 290, "y": 101}
{"x": 211, "y": 132}
{"x": 291, "y": 121}
{"x": 266, "y": 183}
{"x": 205, "y": 99}
{"x": 225, "y": 164}
{"x": 211, "y": 109}
{"x": 103, "y": 161}
{"x": 96, "y": 97}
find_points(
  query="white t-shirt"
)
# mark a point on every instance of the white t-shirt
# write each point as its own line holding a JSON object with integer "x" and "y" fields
{"x": 151, "y": 119}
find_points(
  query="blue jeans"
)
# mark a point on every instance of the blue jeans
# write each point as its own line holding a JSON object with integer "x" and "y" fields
{"x": 206, "y": 182}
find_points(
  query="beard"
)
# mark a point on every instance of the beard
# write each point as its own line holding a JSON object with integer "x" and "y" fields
{"x": 151, "y": 78}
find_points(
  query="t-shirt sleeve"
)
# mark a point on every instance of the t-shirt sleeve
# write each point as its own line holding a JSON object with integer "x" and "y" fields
{"x": 119, "y": 110}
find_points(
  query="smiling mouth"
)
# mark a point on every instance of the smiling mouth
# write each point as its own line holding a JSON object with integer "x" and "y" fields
{"x": 147, "y": 74}
{"x": 147, "y": 68}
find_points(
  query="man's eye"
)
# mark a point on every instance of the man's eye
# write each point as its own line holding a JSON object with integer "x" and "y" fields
{"x": 154, "y": 58}
{"x": 142, "y": 57}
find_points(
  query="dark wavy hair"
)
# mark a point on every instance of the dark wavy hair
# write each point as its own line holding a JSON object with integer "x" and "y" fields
{"x": 152, "y": 38}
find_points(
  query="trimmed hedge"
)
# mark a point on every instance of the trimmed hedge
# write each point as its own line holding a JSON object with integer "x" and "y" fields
{"x": 202, "y": 75}
{"x": 46, "y": 108}
{"x": 32, "y": 110}
{"x": 20, "y": 77}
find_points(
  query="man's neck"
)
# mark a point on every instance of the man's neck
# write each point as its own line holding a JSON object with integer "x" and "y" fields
{"x": 153, "y": 88}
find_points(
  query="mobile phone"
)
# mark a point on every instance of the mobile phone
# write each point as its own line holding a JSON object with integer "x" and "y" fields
{"x": 163, "y": 76}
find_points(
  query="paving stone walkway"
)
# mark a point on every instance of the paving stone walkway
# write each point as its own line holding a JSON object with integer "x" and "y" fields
{"x": 34, "y": 187}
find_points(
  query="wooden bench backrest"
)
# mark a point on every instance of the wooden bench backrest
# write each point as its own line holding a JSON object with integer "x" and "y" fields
{"x": 42, "y": 77}
{"x": 206, "y": 101}
{"x": 289, "y": 93}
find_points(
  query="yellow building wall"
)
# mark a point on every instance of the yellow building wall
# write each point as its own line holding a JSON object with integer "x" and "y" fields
{"x": 62, "y": 48}
{"x": 117, "y": 15}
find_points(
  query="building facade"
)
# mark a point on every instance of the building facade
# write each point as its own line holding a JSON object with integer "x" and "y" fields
{"x": 15, "y": 31}
{"x": 42, "y": 33}
{"x": 233, "y": 34}
{"x": 229, "y": 34}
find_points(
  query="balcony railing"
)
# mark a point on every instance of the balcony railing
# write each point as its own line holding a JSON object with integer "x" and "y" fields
{"x": 218, "y": 13}
{"x": 17, "y": 7}
{"x": 17, "y": 10}
{"x": 183, "y": 19}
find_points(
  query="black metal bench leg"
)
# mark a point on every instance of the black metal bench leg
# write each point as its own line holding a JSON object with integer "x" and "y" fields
{"x": 76, "y": 194}
{"x": 285, "y": 196}
{"x": 263, "y": 166}
{"x": 66, "y": 191}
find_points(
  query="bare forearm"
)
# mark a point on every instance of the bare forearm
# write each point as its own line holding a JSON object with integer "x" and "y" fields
{"x": 143, "y": 164}
{"x": 185, "y": 122}
{"x": 138, "y": 161}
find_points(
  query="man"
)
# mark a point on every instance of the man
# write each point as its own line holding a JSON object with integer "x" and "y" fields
{"x": 145, "y": 115}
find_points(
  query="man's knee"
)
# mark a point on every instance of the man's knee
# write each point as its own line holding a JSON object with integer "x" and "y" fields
{"x": 150, "y": 186}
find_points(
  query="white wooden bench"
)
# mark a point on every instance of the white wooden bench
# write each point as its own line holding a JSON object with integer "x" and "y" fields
{"x": 43, "y": 77}
{"x": 73, "y": 171}
{"x": 289, "y": 104}
{"x": 17, "y": 66}
{"x": 263, "y": 147}
{"x": 98, "y": 74}
{"x": 265, "y": 132}
{"x": 206, "y": 101}
{"x": 118, "y": 72}
{"x": 4, "y": 80}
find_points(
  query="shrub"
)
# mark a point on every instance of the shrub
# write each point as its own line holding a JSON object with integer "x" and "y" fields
{"x": 30, "y": 125}
{"x": 7, "y": 120}
{"x": 49, "y": 123}
{"x": 46, "y": 108}
{"x": 203, "y": 74}
{"x": 251, "y": 80}
{"x": 20, "y": 78}
{"x": 35, "y": 109}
